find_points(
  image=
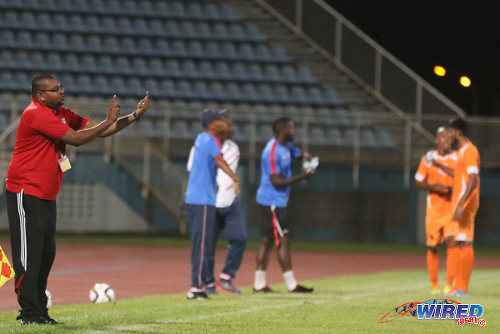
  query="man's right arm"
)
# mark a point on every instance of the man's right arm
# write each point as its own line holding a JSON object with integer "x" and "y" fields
{"x": 85, "y": 136}
{"x": 279, "y": 181}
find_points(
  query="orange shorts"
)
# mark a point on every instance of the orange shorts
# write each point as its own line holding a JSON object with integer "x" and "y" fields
{"x": 465, "y": 230}
{"x": 438, "y": 228}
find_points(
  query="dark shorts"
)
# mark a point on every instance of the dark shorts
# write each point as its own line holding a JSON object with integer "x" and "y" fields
{"x": 273, "y": 224}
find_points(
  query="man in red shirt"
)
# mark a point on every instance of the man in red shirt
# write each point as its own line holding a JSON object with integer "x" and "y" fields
{"x": 33, "y": 181}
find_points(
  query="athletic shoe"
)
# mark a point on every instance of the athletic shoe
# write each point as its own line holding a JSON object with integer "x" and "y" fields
{"x": 227, "y": 286}
{"x": 265, "y": 289}
{"x": 435, "y": 291}
{"x": 211, "y": 290}
{"x": 301, "y": 288}
{"x": 446, "y": 289}
{"x": 40, "y": 320}
{"x": 197, "y": 295}
{"x": 457, "y": 293}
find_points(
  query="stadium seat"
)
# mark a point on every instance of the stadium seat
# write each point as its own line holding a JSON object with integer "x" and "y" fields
{"x": 222, "y": 70}
{"x": 234, "y": 92}
{"x": 188, "y": 69}
{"x": 139, "y": 66}
{"x": 89, "y": 63}
{"x": 161, "y": 7}
{"x": 21, "y": 60}
{"x": 23, "y": 39}
{"x": 135, "y": 87}
{"x": 206, "y": 70}
{"x": 140, "y": 26}
{"x": 288, "y": 73}
{"x": 217, "y": 91}
{"x": 172, "y": 29}
{"x": 271, "y": 73}
{"x": 246, "y": 51}
{"x": 298, "y": 95}
{"x": 255, "y": 72}
{"x": 227, "y": 12}
{"x": 155, "y": 26}
{"x": 179, "y": 48}
{"x": 187, "y": 29}
{"x": 184, "y": 89}
{"x": 265, "y": 93}
{"x": 203, "y": 30}
{"x": 76, "y": 42}
{"x": 367, "y": 138}
{"x": 10, "y": 19}
{"x": 167, "y": 88}
{"x": 94, "y": 43}
{"x": 7, "y": 38}
{"x": 122, "y": 65}
{"x": 305, "y": 74}
{"x": 315, "y": 95}
{"x": 238, "y": 71}
{"x": 263, "y": 52}
{"x": 27, "y": 19}
{"x": 201, "y": 90}
{"x": 105, "y": 64}
{"x": 144, "y": 46}
{"x": 41, "y": 40}
{"x": 76, "y": 23}
{"x": 151, "y": 85}
{"x": 96, "y": 6}
{"x": 162, "y": 47}
{"x": 385, "y": 138}
{"x": 54, "y": 60}
{"x": 281, "y": 94}
{"x": 194, "y": 10}
{"x": 84, "y": 84}
{"x": 156, "y": 66}
{"x": 127, "y": 43}
{"x": 236, "y": 31}
{"x": 177, "y": 9}
{"x": 117, "y": 84}
{"x": 92, "y": 23}
{"x": 250, "y": 92}
{"x": 37, "y": 59}
{"x": 71, "y": 62}
{"x": 334, "y": 137}
{"x": 252, "y": 31}
{"x": 211, "y": 11}
{"x": 172, "y": 68}
{"x": 59, "y": 41}
{"x": 264, "y": 132}
{"x": 229, "y": 50}
{"x": 220, "y": 31}
{"x": 195, "y": 49}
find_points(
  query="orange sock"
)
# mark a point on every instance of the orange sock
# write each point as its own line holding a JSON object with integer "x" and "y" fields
{"x": 452, "y": 259}
{"x": 432, "y": 267}
{"x": 467, "y": 262}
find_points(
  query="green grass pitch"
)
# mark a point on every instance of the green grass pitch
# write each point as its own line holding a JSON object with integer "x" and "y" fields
{"x": 350, "y": 304}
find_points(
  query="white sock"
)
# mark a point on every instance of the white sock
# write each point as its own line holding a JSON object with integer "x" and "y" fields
{"x": 260, "y": 279}
{"x": 290, "y": 280}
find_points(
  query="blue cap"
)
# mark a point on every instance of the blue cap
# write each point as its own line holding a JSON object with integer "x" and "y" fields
{"x": 210, "y": 115}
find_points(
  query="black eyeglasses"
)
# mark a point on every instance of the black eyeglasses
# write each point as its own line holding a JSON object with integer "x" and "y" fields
{"x": 53, "y": 90}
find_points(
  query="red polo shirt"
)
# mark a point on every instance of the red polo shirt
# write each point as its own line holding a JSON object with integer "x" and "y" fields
{"x": 34, "y": 167}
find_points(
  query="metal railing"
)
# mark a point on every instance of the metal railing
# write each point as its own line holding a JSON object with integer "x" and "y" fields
{"x": 361, "y": 58}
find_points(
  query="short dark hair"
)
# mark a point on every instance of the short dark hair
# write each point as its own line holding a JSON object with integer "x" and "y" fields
{"x": 459, "y": 124}
{"x": 36, "y": 83}
{"x": 280, "y": 124}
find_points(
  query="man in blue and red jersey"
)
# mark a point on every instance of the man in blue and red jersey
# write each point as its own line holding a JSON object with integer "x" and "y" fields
{"x": 272, "y": 197}
{"x": 33, "y": 181}
{"x": 201, "y": 196}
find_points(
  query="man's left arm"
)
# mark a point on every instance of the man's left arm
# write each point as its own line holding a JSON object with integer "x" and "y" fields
{"x": 471, "y": 159}
{"x": 124, "y": 121}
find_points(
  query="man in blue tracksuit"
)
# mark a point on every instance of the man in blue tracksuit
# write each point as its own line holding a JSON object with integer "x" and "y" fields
{"x": 272, "y": 197}
{"x": 201, "y": 196}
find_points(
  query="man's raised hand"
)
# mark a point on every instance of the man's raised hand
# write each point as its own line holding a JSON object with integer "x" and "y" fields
{"x": 142, "y": 106}
{"x": 114, "y": 110}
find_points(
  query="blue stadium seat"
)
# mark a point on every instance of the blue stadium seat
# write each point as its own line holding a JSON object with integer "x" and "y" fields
{"x": 179, "y": 48}
{"x": 222, "y": 70}
{"x": 71, "y": 62}
{"x": 59, "y": 41}
{"x": 263, "y": 52}
{"x": 93, "y": 24}
{"x": 172, "y": 68}
{"x": 177, "y": 9}
{"x": 111, "y": 44}
{"x": 265, "y": 93}
{"x": 279, "y": 53}
{"x": 227, "y": 12}
{"x": 178, "y": 128}
{"x": 255, "y": 72}
{"x": 184, "y": 89}
{"x": 250, "y": 93}
{"x": 21, "y": 60}
{"x": 84, "y": 84}
{"x": 298, "y": 95}
{"x": 162, "y": 47}
{"x": 7, "y": 80}
{"x": 212, "y": 50}
{"x": 194, "y": 10}
{"x": 10, "y": 19}
{"x": 367, "y": 138}
{"x": 203, "y": 30}
{"x": 220, "y": 31}
{"x": 54, "y": 61}
{"x": 80, "y": 5}
{"x": 102, "y": 85}
{"x": 195, "y": 49}
{"x": 76, "y": 23}
{"x": 156, "y": 26}
{"x": 385, "y": 138}
{"x": 140, "y": 26}
{"x": 271, "y": 73}
{"x": 167, "y": 88}
{"x": 201, "y": 90}
{"x": 41, "y": 40}
{"x": 156, "y": 66}
{"x": 105, "y": 64}
{"x": 211, "y": 11}
{"x": 281, "y": 94}
{"x": 122, "y": 65}
{"x": 317, "y": 135}
{"x": 37, "y": 59}
{"x": 161, "y": 7}
{"x": 305, "y": 74}
{"x": 187, "y": 29}
{"x": 96, "y": 6}
{"x": 229, "y": 50}
{"x": 59, "y": 20}
{"x": 6, "y": 58}
{"x": 288, "y": 73}
{"x": 151, "y": 85}
{"x": 76, "y": 42}
{"x": 236, "y": 31}
{"x": 246, "y": 51}
{"x": 27, "y": 19}
{"x": 124, "y": 25}
{"x": 118, "y": 85}
{"x": 43, "y": 21}
{"x": 217, "y": 91}
{"x": 238, "y": 71}
{"x": 234, "y": 92}
{"x": 348, "y": 138}
{"x": 315, "y": 95}
{"x": 144, "y": 46}
{"x": 264, "y": 132}
{"x": 89, "y": 63}
{"x": 172, "y": 29}
{"x": 206, "y": 70}
{"x": 188, "y": 69}
{"x": 332, "y": 97}
{"x": 130, "y": 7}
{"x": 334, "y": 137}
{"x": 139, "y": 66}
{"x": 252, "y": 31}
{"x": 127, "y": 43}
{"x": 7, "y": 38}
{"x": 24, "y": 39}
{"x": 135, "y": 86}
{"x": 69, "y": 83}
{"x": 94, "y": 43}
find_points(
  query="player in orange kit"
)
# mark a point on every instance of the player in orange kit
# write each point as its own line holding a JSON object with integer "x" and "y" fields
{"x": 465, "y": 203}
{"x": 435, "y": 174}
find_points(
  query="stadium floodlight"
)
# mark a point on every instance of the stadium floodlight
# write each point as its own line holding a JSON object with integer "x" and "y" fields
{"x": 439, "y": 71}
{"x": 465, "y": 81}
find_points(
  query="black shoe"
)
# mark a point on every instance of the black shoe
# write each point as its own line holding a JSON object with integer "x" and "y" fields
{"x": 265, "y": 289}
{"x": 300, "y": 288}
{"x": 39, "y": 320}
{"x": 197, "y": 295}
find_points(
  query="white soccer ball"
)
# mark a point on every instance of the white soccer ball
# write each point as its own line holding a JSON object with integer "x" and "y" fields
{"x": 101, "y": 293}
{"x": 49, "y": 298}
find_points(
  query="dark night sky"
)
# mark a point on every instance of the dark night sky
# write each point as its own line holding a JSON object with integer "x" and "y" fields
{"x": 464, "y": 37}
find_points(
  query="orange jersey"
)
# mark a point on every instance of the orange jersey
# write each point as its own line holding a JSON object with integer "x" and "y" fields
{"x": 438, "y": 205}
{"x": 468, "y": 163}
